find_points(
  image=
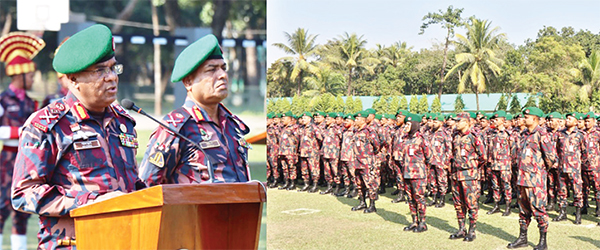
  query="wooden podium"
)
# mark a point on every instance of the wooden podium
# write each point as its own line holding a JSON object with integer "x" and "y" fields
{"x": 192, "y": 216}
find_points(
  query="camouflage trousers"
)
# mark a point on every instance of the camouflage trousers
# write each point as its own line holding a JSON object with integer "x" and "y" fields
{"x": 399, "y": 177}
{"x": 553, "y": 184}
{"x": 365, "y": 184}
{"x": 440, "y": 180}
{"x": 415, "y": 189}
{"x": 346, "y": 173}
{"x": 19, "y": 220}
{"x": 272, "y": 170}
{"x": 591, "y": 179}
{"x": 532, "y": 202}
{"x": 501, "y": 181}
{"x": 330, "y": 170}
{"x": 577, "y": 182}
{"x": 288, "y": 166}
{"x": 465, "y": 195}
{"x": 375, "y": 172}
{"x": 309, "y": 166}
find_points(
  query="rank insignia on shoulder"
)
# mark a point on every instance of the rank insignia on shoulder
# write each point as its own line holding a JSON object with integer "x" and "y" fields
{"x": 242, "y": 141}
{"x": 157, "y": 159}
{"x": 128, "y": 140}
{"x": 40, "y": 127}
{"x": 81, "y": 145}
{"x": 210, "y": 144}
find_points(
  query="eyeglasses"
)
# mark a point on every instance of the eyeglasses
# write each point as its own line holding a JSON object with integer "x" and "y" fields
{"x": 104, "y": 71}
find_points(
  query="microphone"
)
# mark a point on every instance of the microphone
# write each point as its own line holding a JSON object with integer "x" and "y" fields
{"x": 128, "y": 104}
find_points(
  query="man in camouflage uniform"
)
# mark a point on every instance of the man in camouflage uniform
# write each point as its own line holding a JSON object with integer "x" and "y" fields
{"x": 536, "y": 155}
{"x": 79, "y": 149}
{"x": 366, "y": 144}
{"x": 468, "y": 152}
{"x": 591, "y": 168}
{"x": 396, "y": 161}
{"x": 571, "y": 153}
{"x": 440, "y": 144}
{"x": 288, "y": 149}
{"x": 553, "y": 175}
{"x": 273, "y": 131}
{"x": 331, "y": 137}
{"x": 414, "y": 154}
{"x": 499, "y": 150}
{"x": 347, "y": 158}
{"x": 309, "y": 153}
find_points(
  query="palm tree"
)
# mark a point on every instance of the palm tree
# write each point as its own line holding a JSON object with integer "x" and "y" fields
{"x": 325, "y": 80}
{"x": 302, "y": 46}
{"x": 476, "y": 59}
{"x": 589, "y": 70}
{"x": 347, "y": 52}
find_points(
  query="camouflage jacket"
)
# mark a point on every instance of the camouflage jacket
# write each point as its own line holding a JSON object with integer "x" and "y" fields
{"x": 571, "y": 151}
{"x": 440, "y": 144}
{"x": 536, "y": 154}
{"x": 499, "y": 150}
{"x": 13, "y": 113}
{"x": 366, "y": 144}
{"x": 347, "y": 149}
{"x": 273, "y": 132}
{"x": 288, "y": 142}
{"x": 414, "y": 155}
{"x": 171, "y": 160}
{"x": 397, "y": 140}
{"x": 592, "y": 146}
{"x": 309, "y": 145}
{"x": 66, "y": 158}
{"x": 332, "y": 139}
{"x": 468, "y": 152}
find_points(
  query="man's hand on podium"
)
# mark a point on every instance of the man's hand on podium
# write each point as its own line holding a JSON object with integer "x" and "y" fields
{"x": 105, "y": 197}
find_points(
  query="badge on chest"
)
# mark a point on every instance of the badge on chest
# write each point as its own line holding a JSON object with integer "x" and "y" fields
{"x": 128, "y": 140}
{"x": 81, "y": 145}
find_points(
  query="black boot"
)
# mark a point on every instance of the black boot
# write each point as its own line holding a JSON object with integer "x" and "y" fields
{"x": 441, "y": 202}
{"x": 562, "y": 215}
{"x": 413, "y": 225}
{"x": 577, "y": 216}
{"x": 507, "y": 212}
{"x": 396, "y": 192}
{"x": 489, "y": 199}
{"x": 352, "y": 193}
{"x": 597, "y": 207}
{"x": 542, "y": 244}
{"x": 328, "y": 190}
{"x": 314, "y": 188}
{"x": 433, "y": 202}
{"x": 371, "y": 208}
{"x": 495, "y": 209}
{"x": 344, "y": 192}
{"x": 336, "y": 190}
{"x": 306, "y": 187}
{"x": 361, "y": 205}
{"x": 422, "y": 226}
{"x": 461, "y": 231}
{"x": 381, "y": 189}
{"x": 521, "y": 241}
{"x": 400, "y": 198}
{"x": 292, "y": 185}
{"x": 471, "y": 235}
{"x": 287, "y": 183}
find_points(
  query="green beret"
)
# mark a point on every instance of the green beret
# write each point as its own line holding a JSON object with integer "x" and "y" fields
{"x": 389, "y": 116}
{"x": 412, "y": 117}
{"x": 340, "y": 114}
{"x": 378, "y": 116}
{"x": 195, "y": 54}
{"x": 472, "y": 114}
{"x": 349, "y": 116}
{"x": 84, "y": 49}
{"x": 270, "y": 115}
{"x": 573, "y": 114}
{"x": 331, "y": 114}
{"x": 402, "y": 112}
{"x": 278, "y": 115}
{"x": 533, "y": 111}
{"x": 555, "y": 115}
{"x": 307, "y": 114}
{"x": 289, "y": 114}
{"x": 498, "y": 114}
{"x": 363, "y": 113}
{"x": 370, "y": 111}
{"x": 451, "y": 116}
{"x": 321, "y": 113}
{"x": 509, "y": 117}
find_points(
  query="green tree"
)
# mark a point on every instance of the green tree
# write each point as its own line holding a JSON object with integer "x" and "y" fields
{"x": 379, "y": 104}
{"x": 414, "y": 104}
{"x": 300, "y": 104}
{"x": 477, "y": 59}
{"x": 393, "y": 104}
{"x": 436, "y": 105}
{"x": 283, "y": 105}
{"x": 502, "y": 104}
{"x": 450, "y": 19}
{"x": 459, "y": 104}
{"x": 531, "y": 102}
{"x": 589, "y": 70}
{"x": 423, "y": 106}
{"x": 515, "y": 105}
{"x": 403, "y": 103}
{"x": 357, "y": 105}
{"x": 324, "y": 103}
{"x": 339, "y": 104}
{"x": 325, "y": 80}
{"x": 301, "y": 46}
{"x": 272, "y": 105}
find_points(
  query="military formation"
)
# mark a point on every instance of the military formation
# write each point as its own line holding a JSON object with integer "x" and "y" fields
{"x": 531, "y": 161}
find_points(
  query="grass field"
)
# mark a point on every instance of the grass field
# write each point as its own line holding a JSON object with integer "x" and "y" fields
{"x": 312, "y": 221}
{"x": 257, "y": 159}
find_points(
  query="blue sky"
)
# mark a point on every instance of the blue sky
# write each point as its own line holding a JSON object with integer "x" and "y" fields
{"x": 387, "y": 21}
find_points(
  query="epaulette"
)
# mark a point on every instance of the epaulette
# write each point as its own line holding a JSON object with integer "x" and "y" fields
{"x": 45, "y": 118}
{"x": 176, "y": 118}
{"x": 121, "y": 111}
{"x": 242, "y": 127}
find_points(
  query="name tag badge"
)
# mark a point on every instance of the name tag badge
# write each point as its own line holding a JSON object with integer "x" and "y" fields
{"x": 210, "y": 144}
{"x": 436, "y": 143}
{"x": 411, "y": 152}
{"x": 463, "y": 152}
{"x": 528, "y": 152}
{"x": 81, "y": 145}
{"x": 570, "y": 148}
{"x": 591, "y": 145}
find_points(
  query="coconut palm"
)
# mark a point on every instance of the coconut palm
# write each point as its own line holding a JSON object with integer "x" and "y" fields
{"x": 589, "y": 69}
{"x": 476, "y": 59}
{"x": 302, "y": 46}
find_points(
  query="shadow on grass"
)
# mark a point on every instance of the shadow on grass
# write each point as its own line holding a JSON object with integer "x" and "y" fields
{"x": 495, "y": 231}
{"x": 392, "y": 216}
{"x": 441, "y": 224}
{"x": 594, "y": 242}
